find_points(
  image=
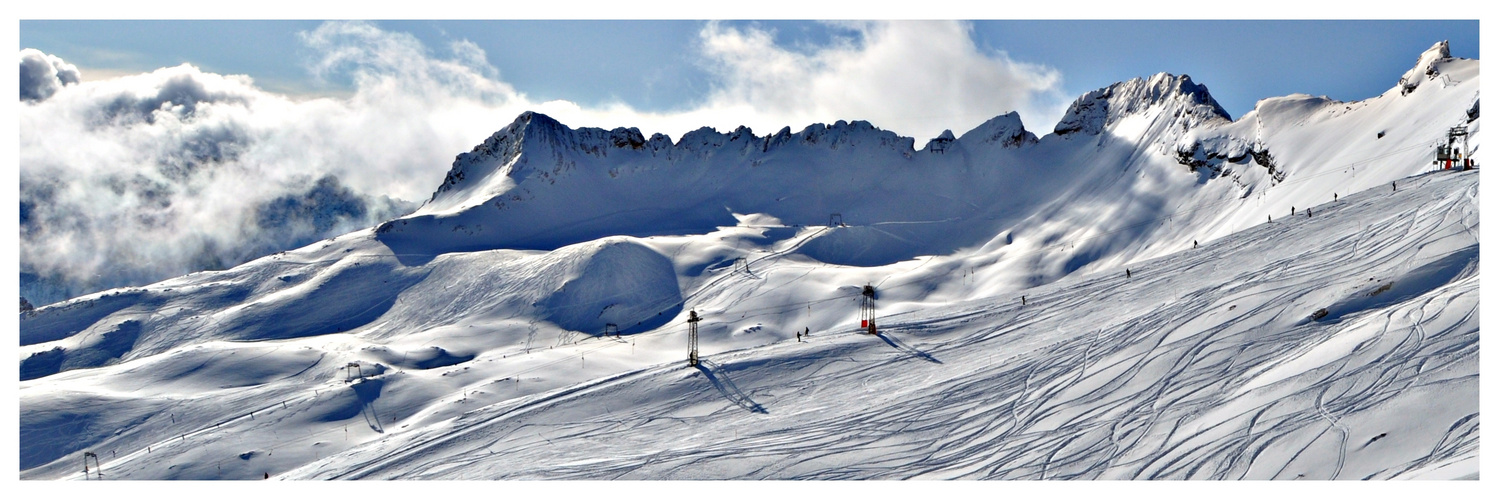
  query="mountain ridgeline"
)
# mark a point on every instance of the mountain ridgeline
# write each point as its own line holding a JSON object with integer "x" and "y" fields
{"x": 539, "y": 184}
{"x": 1127, "y": 153}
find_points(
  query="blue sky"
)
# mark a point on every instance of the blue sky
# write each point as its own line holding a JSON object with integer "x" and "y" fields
{"x": 659, "y": 66}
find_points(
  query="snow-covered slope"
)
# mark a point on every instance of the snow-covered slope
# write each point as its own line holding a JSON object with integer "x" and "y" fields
{"x": 483, "y": 312}
{"x": 1302, "y": 363}
{"x": 1206, "y": 363}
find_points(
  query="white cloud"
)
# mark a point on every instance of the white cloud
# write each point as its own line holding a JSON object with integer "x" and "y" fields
{"x": 914, "y": 77}
{"x": 134, "y": 179}
{"x": 139, "y": 178}
{"x": 43, "y": 74}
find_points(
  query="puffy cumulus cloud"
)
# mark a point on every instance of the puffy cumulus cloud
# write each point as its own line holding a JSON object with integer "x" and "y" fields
{"x": 43, "y": 74}
{"x": 913, "y": 77}
{"x": 135, "y": 179}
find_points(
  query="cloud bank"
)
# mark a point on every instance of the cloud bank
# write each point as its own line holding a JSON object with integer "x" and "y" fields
{"x": 916, "y": 78}
{"x": 135, "y": 179}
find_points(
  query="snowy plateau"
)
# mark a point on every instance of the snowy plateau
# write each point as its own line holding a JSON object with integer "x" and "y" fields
{"x": 1152, "y": 290}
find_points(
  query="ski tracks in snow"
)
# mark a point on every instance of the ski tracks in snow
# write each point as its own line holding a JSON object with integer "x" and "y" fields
{"x": 1170, "y": 374}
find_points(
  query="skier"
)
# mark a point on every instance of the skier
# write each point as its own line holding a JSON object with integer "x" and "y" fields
{"x": 1194, "y": 244}
{"x": 1022, "y": 300}
{"x": 1335, "y": 197}
{"x": 1126, "y": 273}
{"x": 1293, "y": 210}
{"x": 798, "y": 336}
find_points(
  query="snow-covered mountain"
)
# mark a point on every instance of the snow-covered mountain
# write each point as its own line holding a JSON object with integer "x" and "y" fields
{"x": 1236, "y": 348}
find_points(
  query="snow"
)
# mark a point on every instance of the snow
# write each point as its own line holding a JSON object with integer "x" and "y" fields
{"x": 477, "y": 322}
{"x": 1006, "y": 130}
{"x": 1062, "y": 387}
{"x": 1425, "y": 67}
{"x": 1184, "y": 103}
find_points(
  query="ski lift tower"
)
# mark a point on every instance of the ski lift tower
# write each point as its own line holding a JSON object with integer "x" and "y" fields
{"x": 1449, "y": 156}
{"x": 98, "y": 469}
{"x": 351, "y": 369}
{"x": 866, "y": 310}
{"x": 692, "y": 319}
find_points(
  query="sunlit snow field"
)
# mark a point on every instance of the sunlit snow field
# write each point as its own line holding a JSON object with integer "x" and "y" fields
{"x": 1132, "y": 298}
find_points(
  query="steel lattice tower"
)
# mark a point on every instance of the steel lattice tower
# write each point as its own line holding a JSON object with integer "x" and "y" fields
{"x": 692, "y": 319}
{"x": 866, "y": 310}
{"x": 98, "y": 469}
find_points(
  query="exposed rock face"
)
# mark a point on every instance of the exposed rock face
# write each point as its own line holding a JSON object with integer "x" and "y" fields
{"x": 1425, "y": 68}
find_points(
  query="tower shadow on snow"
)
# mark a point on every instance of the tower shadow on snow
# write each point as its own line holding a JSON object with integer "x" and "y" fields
{"x": 368, "y": 391}
{"x": 718, "y": 376}
{"x": 902, "y": 347}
